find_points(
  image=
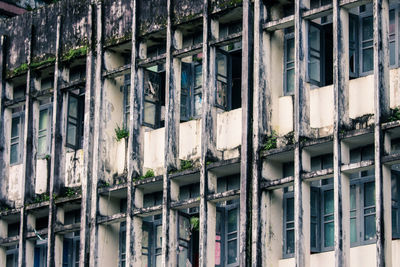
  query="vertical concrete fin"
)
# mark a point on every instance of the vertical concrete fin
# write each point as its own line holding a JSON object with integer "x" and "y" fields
{"x": 382, "y": 109}
{"x": 247, "y": 137}
{"x": 56, "y": 151}
{"x": 340, "y": 87}
{"x": 3, "y": 153}
{"x": 87, "y": 143}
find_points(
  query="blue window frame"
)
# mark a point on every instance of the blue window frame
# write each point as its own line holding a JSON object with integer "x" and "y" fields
{"x": 122, "y": 245}
{"x": 75, "y": 119}
{"x": 127, "y": 100}
{"x": 288, "y": 82}
{"x": 44, "y": 129}
{"x": 191, "y": 89}
{"x": 12, "y": 256}
{"x": 40, "y": 254}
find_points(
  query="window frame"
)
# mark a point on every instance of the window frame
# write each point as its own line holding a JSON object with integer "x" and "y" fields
{"x": 79, "y": 120}
{"x": 40, "y": 250}
{"x": 228, "y": 79}
{"x": 70, "y": 255}
{"x": 288, "y": 37}
{"x": 321, "y": 55}
{"x": 287, "y": 195}
{"x": 156, "y": 103}
{"x": 48, "y": 131}
{"x": 152, "y": 249}
{"x": 127, "y": 97}
{"x": 192, "y": 92}
{"x": 20, "y": 138}
{"x": 12, "y": 251}
{"x": 122, "y": 245}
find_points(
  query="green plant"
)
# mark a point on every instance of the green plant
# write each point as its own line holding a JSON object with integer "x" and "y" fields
{"x": 148, "y": 174}
{"x": 271, "y": 141}
{"x": 121, "y": 133}
{"x": 41, "y": 198}
{"x": 70, "y": 191}
{"x": 194, "y": 223}
{"x": 186, "y": 164}
{"x": 395, "y": 114}
{"x": 102, "y": 184}
{"x": 74, "y": 53}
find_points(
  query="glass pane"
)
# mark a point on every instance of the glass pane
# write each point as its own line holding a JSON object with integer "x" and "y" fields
{"x": 197, "y": 104}
{"x": 290, "y": 209}
{"x": 313, "y": 230}
{"x": 198, "y": 76}
{"x": 353, "y": 197}
{"x": 392, "y": 53}
{"x": 328, "y": 202}
{"x": 42, "y": 145}
{"x": 353, "y": 230}
{"x": 314, "y": 38}
{"x": 369, "y": 194}
{"x": 222, "y": 64}
{"x": 73, "y": 106}
{"x": 15, "y": 127}
{"x": 222, "y": 94}
{"x": 158, "y": 236}
{"x": 392, "y": 21}
{"x": 290, "y": 242}
{"x": 183, "y": 256}
{"x": 232, "y": 220}
{"x": 290, "y": 81}
{"x": 329, "y": 234}
{"x": 14, "y": 156}
{"x": 232, "y": 251}
{"x": 151, "y": 86}
{"x": 369, "y": 227}
{"x": 314, "y": 69}
{"x": 184, "y": 228}
{"x": 368, "y": 61}
{"x": 149, "y": 113}
{"x": 367, "y": 31}
{"x": 290, "y": 50}
{"x": 145, "y": 261}
{"x": 395, "y": 215}
{"x": 43, "y": 119}
{"x": 158, "y": 261}
{"x": 71, "y": 134}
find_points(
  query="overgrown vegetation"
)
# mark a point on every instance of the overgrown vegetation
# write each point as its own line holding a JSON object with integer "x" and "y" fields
{"x": 121, "y": 133}
{"x": 42, "y": 197}
{"x": 186, "y": 164}
{"x": 70, "y": 191}
{"x": 75, "y": 53}
{"x": 102, "y": 184}
{"x": 394, "y": 114}
{"x": 194, "y": 223}
{"x": 271, "y": 141}
{"x": 148, "y": 174}
{"x": 43, "y": 62}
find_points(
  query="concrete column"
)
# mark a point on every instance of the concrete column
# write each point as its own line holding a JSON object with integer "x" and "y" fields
{"x": 171, "y": 150}
{"x": 208, "y": 224}
{"x": 260, "y": 118}
{"x": 341, "y": 117}
{"x": 59, "y": 239}
{"x": 56, "y": 151}
{"x": 271, "y": 219}
{"x": 208, "y": 139}
{"x": 88, "y": 145}
{"x": 98, "y": 154}
{"x": 27, "y": 179}
{"x": 382, "y": 111}
{"x": 135, "y": 152}
{"x": 3, "y": 152}
{"x": 247, "y": 136}
{"x": 301, "y": 115}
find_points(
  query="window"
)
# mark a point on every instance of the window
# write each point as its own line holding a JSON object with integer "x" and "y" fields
{"x": 47, "y": 83}
{"x": 122, "y": 245}
{"x": 75, "y": 116}
{"x": 77, "y": 73}
{"x": 71, "y": 241}
{"x": 154, "y": 97}
{"x": 40, "y": 254}
{"x": 289, "y": 61}
{"x": 151, "y": 241}
{"x": 395, "y": 202}
{"x": 12, "y": 256}
{"x": 45, "y": 128}
{"x": 191, "y": 89}
{"x": 226, "y": 238}
{"x": 320, "y": 49}
{"x": 229, "y": 71}
{"x": 127, "y": 100}
{"x": 16, "y": 140}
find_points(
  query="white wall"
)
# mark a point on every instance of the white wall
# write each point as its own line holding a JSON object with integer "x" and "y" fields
{"x": 190, "y": 139}
{"x": 14, "y": 183}
{"x": 74, "y": 168}
{"x": 41, "y": 176}
{"x": 229, "y": 129}
{"x": 285, "y": 122}
{"x": 361, "y": 96}
{"x": 321, "y": 107}
{"x": 154, "y": 150}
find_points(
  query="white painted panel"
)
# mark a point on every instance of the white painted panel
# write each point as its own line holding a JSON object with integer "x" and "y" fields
{"x": 14, "y": 182}
{"x": 74, "y": 168}
{"x": 229, "y": 129}
{"x": 361, "y": 96}
{"x": 41, "y": 176}
{"x": 321, "y": 107}
{"x": 285, "y": 115}
{"x": 154, "y": 150}
{"x": 189, "y": 139}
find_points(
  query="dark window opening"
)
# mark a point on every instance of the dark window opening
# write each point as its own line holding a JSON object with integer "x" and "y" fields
{"x": 154, "y": 97}
{"x": 75, "y": 119}
{"x": 320, "y": 52}
{"x": 229, "y": 77}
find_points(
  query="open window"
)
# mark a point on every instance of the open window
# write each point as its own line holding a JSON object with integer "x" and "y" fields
{"x": 40, "y": 254}
{"x": 320, "y": 51}
{"x": 191, "y": 88}
{"x": 229, "y": 77}
{"x": 75, "y": 119}
{"x": 154, "y": 97}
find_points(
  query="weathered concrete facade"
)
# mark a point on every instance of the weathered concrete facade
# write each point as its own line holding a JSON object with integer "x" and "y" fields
{"x": 201, "y": 133}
